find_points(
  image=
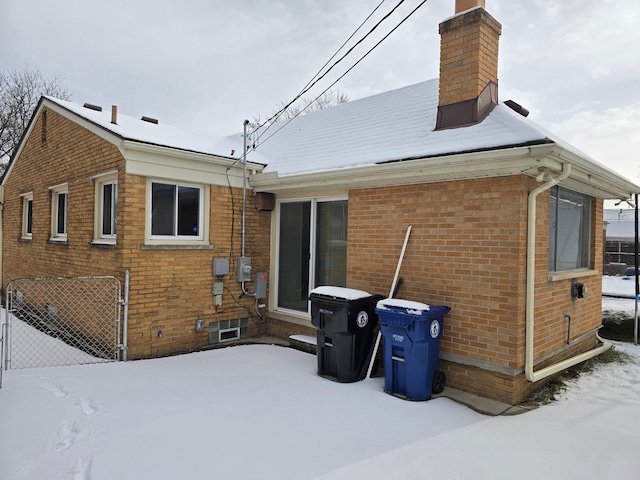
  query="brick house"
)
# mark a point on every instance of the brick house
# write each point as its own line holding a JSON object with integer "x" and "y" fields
{"x": 506, "y": 218}
{"x": 96, "y": 193}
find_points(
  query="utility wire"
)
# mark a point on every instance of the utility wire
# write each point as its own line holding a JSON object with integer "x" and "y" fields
{"x": 313, "y": 82}
{"x": 304, "y": 89}
{"x": 345, "y": 73}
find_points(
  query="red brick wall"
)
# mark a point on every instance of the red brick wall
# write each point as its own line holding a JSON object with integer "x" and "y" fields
{"x": 468, "y": 250}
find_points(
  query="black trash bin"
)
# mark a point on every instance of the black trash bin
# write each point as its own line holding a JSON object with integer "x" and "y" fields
{"x": 411, "y": 333}
{"x": 345, "y": 320}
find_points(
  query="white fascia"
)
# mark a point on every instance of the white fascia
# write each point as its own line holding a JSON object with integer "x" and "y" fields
{"x": 182, "y": 165}
{"x": 588, "y": 176}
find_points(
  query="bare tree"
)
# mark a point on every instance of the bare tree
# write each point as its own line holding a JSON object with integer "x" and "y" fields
{"x": 20, "y": 91}
{"x": 330, "y": 98}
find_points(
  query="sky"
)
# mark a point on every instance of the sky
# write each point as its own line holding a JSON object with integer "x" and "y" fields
{"x": 261, "y": 411}
{"x": 207, "y": 65}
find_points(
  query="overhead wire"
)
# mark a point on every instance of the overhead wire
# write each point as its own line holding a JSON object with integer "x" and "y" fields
{"x": 345, "y": 73}
{"x": 304, "y": 89}
{"x": 270, "y": 121}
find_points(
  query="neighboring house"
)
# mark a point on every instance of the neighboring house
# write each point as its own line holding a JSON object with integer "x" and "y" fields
{"x": 96, "y": 193}
{"x": 506, "y": 218}
{"x": 620, "y": 240}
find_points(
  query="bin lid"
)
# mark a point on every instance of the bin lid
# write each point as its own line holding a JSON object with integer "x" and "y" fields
{"x": 415, "y": 308}
{"x": 340, "y": 292}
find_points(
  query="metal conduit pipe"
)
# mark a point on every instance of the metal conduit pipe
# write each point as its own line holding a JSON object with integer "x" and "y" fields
{"x": 530, "y": 292}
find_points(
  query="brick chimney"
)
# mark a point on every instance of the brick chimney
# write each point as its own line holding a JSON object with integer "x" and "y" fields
{"x": 468, "y": 65}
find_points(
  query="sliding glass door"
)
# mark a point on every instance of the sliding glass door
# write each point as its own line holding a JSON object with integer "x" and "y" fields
{"x": 312, "y": 249}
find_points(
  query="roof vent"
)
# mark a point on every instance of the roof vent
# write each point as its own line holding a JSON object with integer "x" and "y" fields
{"x": 516, "y": 107}
{"x": 150, "y": 120}
{"x": 97, "y": 108}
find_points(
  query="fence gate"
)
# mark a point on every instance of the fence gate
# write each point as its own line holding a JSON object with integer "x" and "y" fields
{"x": 61, "y": 321}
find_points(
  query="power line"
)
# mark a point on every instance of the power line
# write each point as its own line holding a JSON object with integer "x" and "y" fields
{"x": 313, "y": 82}
{"x": 345, "y": 73}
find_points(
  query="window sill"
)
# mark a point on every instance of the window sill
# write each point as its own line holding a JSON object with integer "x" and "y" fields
{"x": 54, "y": 241}
{"x": 301, "y": 319}
{"x": 24, "y": 240}
{"x": 102, "y": 244}
{"x": 569, "y": 274}
{"x": 175, "y": 247}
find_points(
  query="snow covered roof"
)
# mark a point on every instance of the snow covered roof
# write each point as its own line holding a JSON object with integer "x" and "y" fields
{"x": 391, "y": 126}
{"x": 136, "y": 129}
{"x": 620, "y": 224}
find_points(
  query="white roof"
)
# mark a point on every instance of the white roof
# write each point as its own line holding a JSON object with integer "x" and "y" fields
{"x": 620, "y": 224}
{"x": 133, "y": 128}
{"x": 391, "y": 126}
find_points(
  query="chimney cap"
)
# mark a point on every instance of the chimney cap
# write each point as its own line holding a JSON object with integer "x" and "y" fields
{"x": 464, "y": 5}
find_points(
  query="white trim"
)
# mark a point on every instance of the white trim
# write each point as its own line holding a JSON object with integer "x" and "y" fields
{"x": 99, "y": 176}
{"x": 98, "y": 210}
{"x": 203, "y": 220}
{"x": 61, "y": 186}
{"x": 275, "y": 240}
{"x": 56, "y": 191}
{"x": 184, "y": 166}
{"x": 587, "y": 176}
{"x": 569, "y": 274}
{"x": 26, "y": 197}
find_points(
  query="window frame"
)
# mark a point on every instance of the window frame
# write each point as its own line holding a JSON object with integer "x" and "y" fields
{"x": 203, "y": 216}
{"x": 313, "y": 247}
{"x": 585, "y": 241}
{"x": 27, "y": 216}
{"x": 56, "y": 192}
{"x": 101, "y": 181}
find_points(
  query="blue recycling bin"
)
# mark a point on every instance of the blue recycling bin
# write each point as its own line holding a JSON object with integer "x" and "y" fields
{"x": 411, "y": 333}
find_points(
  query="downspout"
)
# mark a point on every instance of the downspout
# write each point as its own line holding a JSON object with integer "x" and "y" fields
{"x": 530, "y": 291}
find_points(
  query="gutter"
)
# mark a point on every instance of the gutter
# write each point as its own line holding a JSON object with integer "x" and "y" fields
{"x": 530, "y": 293}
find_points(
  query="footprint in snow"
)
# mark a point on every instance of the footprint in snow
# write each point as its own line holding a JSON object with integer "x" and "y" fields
{"x": 80, "y": 471}
{"x": 67, "y": 434}
{"x": 87, "y": 406}
{"x": 58, "y": 392}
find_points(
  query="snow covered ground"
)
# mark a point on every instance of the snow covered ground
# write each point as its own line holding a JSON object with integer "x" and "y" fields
{"x": 623, "y": 287}
{"x": 260, "y": 411}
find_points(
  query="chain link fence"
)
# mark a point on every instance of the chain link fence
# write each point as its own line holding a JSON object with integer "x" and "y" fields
{"x": 61, "y": 321}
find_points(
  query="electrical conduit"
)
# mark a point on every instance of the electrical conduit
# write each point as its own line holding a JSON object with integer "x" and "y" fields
{"x": 530, "y": 292}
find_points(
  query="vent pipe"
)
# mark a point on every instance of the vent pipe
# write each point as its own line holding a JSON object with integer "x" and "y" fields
{"x": 114, "y": 114}
{"x": 464, "y": 5}
{"x": 90, "y": 106}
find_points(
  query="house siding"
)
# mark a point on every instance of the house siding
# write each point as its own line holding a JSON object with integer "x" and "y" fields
{"x": 169, "y": 288}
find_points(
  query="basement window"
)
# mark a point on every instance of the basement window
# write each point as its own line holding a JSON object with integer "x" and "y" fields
{"x": 569, "y": 230}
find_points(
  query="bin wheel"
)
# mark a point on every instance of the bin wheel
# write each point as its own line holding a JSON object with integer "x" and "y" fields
{"x": 439, "y": 380}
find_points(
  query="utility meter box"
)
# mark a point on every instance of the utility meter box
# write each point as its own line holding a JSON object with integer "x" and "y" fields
{"x": 243, "y": 269}
{"x": 261, "y": 284}
{"x": 220, "y": 267}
